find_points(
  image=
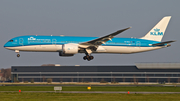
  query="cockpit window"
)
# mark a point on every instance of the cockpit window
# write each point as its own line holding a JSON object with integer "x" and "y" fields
{"x": 10, "y": 40}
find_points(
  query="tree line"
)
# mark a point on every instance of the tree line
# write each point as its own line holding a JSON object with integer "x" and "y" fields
{"x": 5, "y": 74}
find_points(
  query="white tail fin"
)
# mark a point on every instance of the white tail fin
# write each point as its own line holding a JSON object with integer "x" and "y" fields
{"x": 157, "y": 32}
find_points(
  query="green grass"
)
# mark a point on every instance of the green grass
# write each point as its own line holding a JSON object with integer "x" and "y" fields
{"x": 25, "y": 96}
{"x": 87, "y": 97}
{"x": 83, "y": 88}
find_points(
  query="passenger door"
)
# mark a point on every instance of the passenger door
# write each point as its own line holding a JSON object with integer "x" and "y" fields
{"x": 138, "y": 43}
{"x": 21, "y": 41}
{"x": 54, "y": 41}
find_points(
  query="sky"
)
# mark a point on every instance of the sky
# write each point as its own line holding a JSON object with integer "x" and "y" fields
{"x": 94, "y": 18}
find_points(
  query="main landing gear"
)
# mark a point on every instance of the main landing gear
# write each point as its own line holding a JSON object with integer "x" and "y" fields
{"x": 88, "y": 56}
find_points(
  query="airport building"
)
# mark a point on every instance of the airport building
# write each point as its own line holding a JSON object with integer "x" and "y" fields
{"x": 141, "y": 72}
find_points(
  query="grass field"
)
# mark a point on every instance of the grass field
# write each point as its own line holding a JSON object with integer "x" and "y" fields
{"x": 94, "y": 88}
{"x": 29, "y": 96}
{"x": 87, "y": 97}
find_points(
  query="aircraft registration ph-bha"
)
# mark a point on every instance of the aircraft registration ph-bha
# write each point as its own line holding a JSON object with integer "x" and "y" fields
{"x": 71, "y": 45}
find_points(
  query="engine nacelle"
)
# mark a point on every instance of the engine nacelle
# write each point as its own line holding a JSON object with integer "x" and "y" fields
{"x": 69, "y": 50}
{"x": 60, "y": 54}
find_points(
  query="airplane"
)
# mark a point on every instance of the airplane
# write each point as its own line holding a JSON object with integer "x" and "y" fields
{"x": 70, "y": 45}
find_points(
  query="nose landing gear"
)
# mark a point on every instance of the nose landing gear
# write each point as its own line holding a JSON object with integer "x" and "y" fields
{"x": 18, "y": 55}
{"x": 17, "y": 51}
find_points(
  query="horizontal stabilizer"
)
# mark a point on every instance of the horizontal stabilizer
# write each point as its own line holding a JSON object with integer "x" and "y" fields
{"x": 162, "y": 43}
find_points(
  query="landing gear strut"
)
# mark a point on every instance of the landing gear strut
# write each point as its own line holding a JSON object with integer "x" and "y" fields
{"x": 88, "y": 56}
{"x": 17, "y": 51}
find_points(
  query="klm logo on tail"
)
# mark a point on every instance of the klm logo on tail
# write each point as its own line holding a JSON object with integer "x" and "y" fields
{"x": 156, "y": 32}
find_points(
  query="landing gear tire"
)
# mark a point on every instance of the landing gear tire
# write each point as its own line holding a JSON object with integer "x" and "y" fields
{"x": 88, "y": 57}
{"x": 91, "y": 57}
{"x": 84, "y": 57}
{"x": 18, "y": 55}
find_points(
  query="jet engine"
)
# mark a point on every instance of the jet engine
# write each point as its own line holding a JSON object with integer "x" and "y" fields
{"x": 69, "y": 50}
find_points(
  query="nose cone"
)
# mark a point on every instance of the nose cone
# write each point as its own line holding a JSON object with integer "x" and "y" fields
{"x": 9, "y": 46}
{"x": 6, "y": 45}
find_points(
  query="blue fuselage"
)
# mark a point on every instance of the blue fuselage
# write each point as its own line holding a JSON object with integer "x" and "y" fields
{"x": 59, "y": 40}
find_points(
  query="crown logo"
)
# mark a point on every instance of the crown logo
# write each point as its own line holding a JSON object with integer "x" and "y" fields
{"x": 156, "y": 30}
{"x": 31, "y": 38}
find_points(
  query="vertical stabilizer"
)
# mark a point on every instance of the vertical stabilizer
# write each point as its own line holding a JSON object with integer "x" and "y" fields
{"x": 157, "y": 32}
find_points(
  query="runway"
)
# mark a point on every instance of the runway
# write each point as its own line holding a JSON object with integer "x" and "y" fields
{"x": 97, "y": 92}
{"x": 98, "y": 85}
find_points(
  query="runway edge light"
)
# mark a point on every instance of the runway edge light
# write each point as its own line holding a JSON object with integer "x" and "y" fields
{"x": 89, "y": 88}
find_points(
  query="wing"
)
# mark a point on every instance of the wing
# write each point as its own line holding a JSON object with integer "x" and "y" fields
{"x": 102, "y": 40}
{"x": 162, "y": 43}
